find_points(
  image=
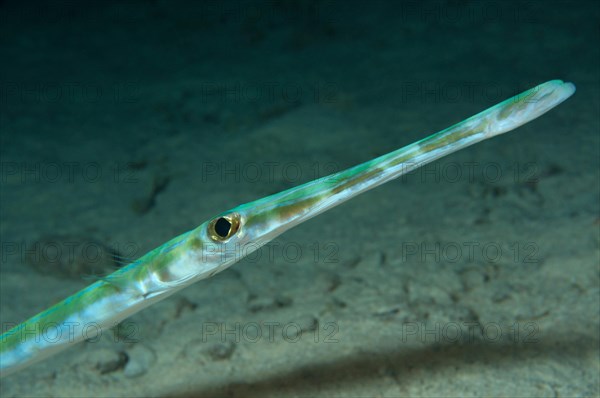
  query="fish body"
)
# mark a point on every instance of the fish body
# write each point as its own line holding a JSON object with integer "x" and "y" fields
{"x": 223, "y": 240}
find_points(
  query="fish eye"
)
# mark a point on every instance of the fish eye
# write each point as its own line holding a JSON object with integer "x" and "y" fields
{"x": 224, "y": 227}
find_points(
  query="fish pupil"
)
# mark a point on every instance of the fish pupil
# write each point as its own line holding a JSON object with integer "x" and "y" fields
{"x": 222, "y": 227}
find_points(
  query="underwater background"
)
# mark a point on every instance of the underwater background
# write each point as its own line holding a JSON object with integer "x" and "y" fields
{"x": 124, "y": 124}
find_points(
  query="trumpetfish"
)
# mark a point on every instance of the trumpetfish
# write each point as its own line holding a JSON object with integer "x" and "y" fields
{"x": 229, "y": 236}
